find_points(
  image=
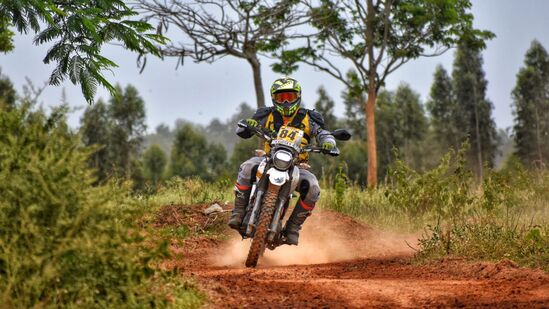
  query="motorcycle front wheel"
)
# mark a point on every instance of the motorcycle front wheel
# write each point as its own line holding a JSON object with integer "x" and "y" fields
{"x": 262, "y": 227}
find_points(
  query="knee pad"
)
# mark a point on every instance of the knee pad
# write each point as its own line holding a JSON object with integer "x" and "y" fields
{"x": 310, "y": 191}
{"x": 246, "y": 173}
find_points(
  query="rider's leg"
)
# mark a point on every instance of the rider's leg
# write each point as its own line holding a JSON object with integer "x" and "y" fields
{"x": 309, "y": 193}
{"x": 242, "y": 190}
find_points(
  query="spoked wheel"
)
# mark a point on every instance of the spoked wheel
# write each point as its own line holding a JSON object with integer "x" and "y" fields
{"x": 262, "y": 227}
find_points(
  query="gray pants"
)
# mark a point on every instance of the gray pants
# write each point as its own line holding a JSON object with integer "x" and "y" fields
{"x": 308, "y": 186}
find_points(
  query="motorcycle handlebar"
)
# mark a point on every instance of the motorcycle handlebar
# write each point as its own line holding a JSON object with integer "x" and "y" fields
{"x": 261, "y": 132}
{"x": 315, "y": 149}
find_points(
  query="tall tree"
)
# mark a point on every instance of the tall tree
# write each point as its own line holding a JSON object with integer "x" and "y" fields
{"x": 127, "y": 111}
{"x": 531, "y": 107}
{"x": 241, "y": 29}
{"x": 401, "y": 124}
{"x": 163, "y": 137}
{"x": 155, "y": 161}
{"x": 95, "y": 130}
{"x": 474, "y": 113}
{"x": 353, "y": 98}
{"x": 325, "y": 105}
{"x": 189, "y": 153}
{"x": 378, "y": 37}
{"x": 442, "y": 107}
{"x": 217, "y": 162}
{"x": 387, "y": 130}
{"x": 412, "y": 123}
{"x": 79, "y": 29}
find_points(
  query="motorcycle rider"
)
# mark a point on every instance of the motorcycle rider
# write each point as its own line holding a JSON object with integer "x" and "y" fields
{"x": 286, "y": 98}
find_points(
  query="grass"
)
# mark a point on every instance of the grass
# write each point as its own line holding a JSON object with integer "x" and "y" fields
{"x": 178, "y": 191}
{"x": 505, "y": 216}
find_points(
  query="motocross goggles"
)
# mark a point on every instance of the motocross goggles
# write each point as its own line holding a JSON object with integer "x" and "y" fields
{"x": 285, "y": 96}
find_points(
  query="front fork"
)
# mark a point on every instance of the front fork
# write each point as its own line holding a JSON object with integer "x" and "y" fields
{"x": 276, "y": 226}
{"x": 276, "y": 180}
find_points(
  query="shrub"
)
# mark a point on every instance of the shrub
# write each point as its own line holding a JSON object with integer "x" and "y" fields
{"x": 64, "y": 242}
{"x": 504, "y": 216}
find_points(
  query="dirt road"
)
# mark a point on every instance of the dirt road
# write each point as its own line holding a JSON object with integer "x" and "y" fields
{"x": 341, "y": 263}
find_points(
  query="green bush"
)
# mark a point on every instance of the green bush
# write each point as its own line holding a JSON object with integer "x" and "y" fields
{"x": 64, "y": 242}
{"x": 504, "y": 216}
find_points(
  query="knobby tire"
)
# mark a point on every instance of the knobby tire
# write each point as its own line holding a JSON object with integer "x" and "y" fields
{"x": 262, "y": 228}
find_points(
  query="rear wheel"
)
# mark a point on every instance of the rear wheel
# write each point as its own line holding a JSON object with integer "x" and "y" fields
{"x": 262, "y": 227}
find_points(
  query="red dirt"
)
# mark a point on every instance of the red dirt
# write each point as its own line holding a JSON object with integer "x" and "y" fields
{"x": 341, "y": 263}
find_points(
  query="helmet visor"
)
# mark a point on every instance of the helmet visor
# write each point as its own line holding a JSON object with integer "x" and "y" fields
{"x": 286, "y": 96}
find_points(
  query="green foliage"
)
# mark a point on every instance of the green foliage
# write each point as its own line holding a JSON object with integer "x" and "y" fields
{"x": 474, "y": 113}
{"x": 400, "y": 124}
{"x": 127, "y": 112}
{"x": 79, "y": 29}
{"x": 400, "y": 30}
{"x": 340, "y": 187}
{"x": 191, "y": 191}
{"x": 354, "y": 99}
{"x": 506, "y": 216}
{"x": 379, "y": 38}
{"x": 192, "y": 155}
{"x": 95, "y": 130}
{"x": 64, "y": 242}
{"x": 6, "y": 36}
{"x": 531, "y": 108}
{"x": 489, "y": 240}
{"x": 155, "y": 161}
{"x": 117, "y": 128}
{"x": 443, "y": 107}
{"x": 440, "y": 193}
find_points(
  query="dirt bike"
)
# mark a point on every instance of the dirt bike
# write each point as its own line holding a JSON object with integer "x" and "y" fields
{"x": 276, "y": 179}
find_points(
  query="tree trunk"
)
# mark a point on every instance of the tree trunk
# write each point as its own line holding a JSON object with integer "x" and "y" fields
{"x": 372, "y": 93}
{"x": 258, "y": 84}
{"x": 477, "y": 131}
{"x": 538, "y": 140}
{"x": 370, "y": 107}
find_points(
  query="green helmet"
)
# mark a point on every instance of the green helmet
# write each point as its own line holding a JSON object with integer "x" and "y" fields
{"x": 286, "y": 95}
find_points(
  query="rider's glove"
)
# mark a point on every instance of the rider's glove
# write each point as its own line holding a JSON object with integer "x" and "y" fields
{"x": 251, "y": 122}
{"x": 327, "y": 146}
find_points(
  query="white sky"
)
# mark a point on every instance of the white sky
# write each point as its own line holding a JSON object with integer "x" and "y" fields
{"x": 201, "y": 92}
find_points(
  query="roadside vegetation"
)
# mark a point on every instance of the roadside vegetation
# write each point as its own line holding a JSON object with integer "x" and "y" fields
{"x": 65, "y": 242}
{"x": 504, "y": 216}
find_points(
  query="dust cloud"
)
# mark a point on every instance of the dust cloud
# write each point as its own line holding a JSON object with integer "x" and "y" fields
{"x": 326, "y": 237}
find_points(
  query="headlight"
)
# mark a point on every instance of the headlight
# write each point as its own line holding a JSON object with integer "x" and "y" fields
{"x": 282, "y": 159}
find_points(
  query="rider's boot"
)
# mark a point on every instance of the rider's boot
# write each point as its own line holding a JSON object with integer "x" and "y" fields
{"x": 241, "y": 197}
{"x": 296, "y": 220}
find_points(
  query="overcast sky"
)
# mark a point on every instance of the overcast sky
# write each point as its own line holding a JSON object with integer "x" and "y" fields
{"x": 201, "y": 92}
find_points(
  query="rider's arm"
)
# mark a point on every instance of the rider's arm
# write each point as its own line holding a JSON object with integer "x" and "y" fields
{"x": 317, "y": 129}
{"x": 261, "y": 117}
{"x": 324, "y": 136}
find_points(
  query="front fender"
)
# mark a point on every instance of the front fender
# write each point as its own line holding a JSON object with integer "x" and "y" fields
{"x": 276, "y": 177}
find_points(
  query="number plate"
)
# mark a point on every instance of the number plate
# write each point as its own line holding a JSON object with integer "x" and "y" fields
{"x": 289, "y": 136}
